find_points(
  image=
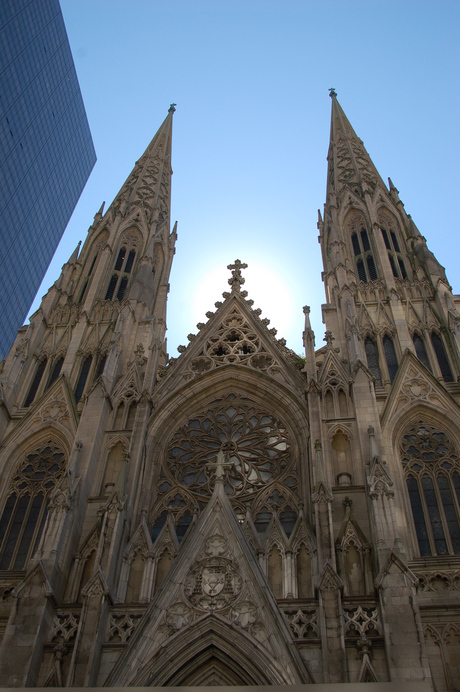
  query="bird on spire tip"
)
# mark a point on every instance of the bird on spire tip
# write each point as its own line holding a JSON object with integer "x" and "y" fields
{"x": 332, "y": 92}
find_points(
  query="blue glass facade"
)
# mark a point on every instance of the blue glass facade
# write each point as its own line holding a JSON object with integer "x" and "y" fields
{"x": 46, "y": 150}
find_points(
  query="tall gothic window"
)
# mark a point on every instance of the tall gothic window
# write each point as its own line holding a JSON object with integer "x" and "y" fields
{"x": 35, "y": 382}
{"x": 372, "y": 355}
{"x": 25, "y": 509}
{"x": 84, "y": 372}
{"x": 120, "y": 275}
{"x": 390, "y": 357}
{"x": 441, "y": 356}
{"x": 394, "y": 254}
{"x": 55, "y": 372}
{"x": 420, "y": 350}
{"x": 365, "y": 264}
{"x": 432, "y": 469}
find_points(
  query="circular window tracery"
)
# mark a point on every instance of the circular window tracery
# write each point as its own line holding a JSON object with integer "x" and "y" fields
{"x": 257, "y": 448}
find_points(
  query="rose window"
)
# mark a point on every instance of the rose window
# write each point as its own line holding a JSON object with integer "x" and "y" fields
{"x": 260, "y": 464}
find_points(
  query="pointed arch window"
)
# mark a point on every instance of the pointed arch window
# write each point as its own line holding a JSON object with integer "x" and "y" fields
{"x": 420, "y": 350}
{"x": 390, "y": 357}
{"x": 390, "y": 239}
{"x": 25, "y": 509}
{"x": 372, "y": 355}
{"x": 121, "y": 272}
{"x": 55, "y": 372}
{"x": 365, "y": 264}
{"x": 35, "y": 382}
{"x": 84, "y": 372}
{"x": 432, "y": 469}
{"x": 441, "y": 356}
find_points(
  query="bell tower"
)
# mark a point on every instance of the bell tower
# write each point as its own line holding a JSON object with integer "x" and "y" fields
{"x": 386, "y": 293}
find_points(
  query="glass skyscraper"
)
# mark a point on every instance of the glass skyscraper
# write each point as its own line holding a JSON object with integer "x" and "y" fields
{"x": 46, "y": 150}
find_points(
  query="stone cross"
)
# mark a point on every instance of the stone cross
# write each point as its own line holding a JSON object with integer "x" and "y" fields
{"x": 237, "y": 280}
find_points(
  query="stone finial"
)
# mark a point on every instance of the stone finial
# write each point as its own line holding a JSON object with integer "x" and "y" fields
{"x": 332, "y": 92}
{"x": 237, "y": 279}
{"x": 172, "y": 108}
{"x": 328, "y": 338}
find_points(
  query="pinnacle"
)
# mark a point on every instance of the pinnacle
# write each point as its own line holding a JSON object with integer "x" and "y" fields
{"x": 350, "y": 166}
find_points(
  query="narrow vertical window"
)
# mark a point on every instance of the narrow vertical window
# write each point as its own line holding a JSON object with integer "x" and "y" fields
{"x": 80, "y": 388}
{"x": 393, "y": 266}
{"x": 371, "y": 268}
{"x": 441, "y": 356}
{"x": 120, "y": 259}
{"x": 421, "y": 351}
{"x": 361, "y": 271}
{"x": 120, "y": 277}
{"x": 101, "y": 365}
{"x": 56, "y": 371}
{"x": 372, "y": 356}
{"x": 111, "y": 287}
{"x": 390, "y": 357}
{"x": 35, "y": 383}
{"x": 402, "y": 267}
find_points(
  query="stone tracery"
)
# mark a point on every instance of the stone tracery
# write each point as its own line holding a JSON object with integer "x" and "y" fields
{"x": 257, "y": 446}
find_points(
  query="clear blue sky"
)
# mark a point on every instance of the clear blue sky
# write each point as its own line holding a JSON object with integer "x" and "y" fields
{"x": 251, "y": 130}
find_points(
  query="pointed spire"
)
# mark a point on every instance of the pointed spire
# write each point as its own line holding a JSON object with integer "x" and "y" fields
{"x": 350, "y": 166}
{"x": 74, "y": 256}
{"x": 98, "y": 215}
{"x": 148, "y": 187}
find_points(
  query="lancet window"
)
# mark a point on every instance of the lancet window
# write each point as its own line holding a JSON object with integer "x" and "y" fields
{"x": 441, "y": 357}
{"x": 397, "y": 264}
{"x": 35, "y": 382}
{"x": 365, "y": 264}
{"x": 25, "y": 508}
{"x": 372, "y": 355}
{"x": 83, "y": 377}
{"x": 121, "y": 273}
{"x": 432, "y": 468}
{"x": 56, "y": 371}
{"x": 260, "y": 466}
{"x": 390, "y": 356}
{"x": 420, "y": 350}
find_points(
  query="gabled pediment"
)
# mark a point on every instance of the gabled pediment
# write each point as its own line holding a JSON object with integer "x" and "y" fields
{"x": 130, "y": 384}
{"x": 234, "y": 335}
{"x": 394, "y": 565}
{"x": 215, "y": 593}
{"x": 332, "y": 368}
{"x": 54, "y": 409}
{"x": 414, "y": 386}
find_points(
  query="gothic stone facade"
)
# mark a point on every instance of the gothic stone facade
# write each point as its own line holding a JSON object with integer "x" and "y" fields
{"x": 239, "y": 515}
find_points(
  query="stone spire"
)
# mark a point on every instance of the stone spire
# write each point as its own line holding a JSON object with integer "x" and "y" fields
{"x": 148, "y": 186}
{"x": 350, "y": 166}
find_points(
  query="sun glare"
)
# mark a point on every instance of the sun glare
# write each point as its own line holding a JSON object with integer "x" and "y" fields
{"x": 264, "y": 285}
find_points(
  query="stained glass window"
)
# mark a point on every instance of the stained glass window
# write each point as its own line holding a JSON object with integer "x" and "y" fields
{"x": 25, "y": 509}
{"x": 260, "y": 472}
{"x": 432, "y": 466}
{"x": 35, "y": 382}
{"x": 390, "y": 357}
{"x": 421, "y": 351}
{"x": 372, "y": 356}
{"x": 441, "y": 356}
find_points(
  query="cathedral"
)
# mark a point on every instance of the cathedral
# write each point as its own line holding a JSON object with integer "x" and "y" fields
{"x": 239, "y": 515}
